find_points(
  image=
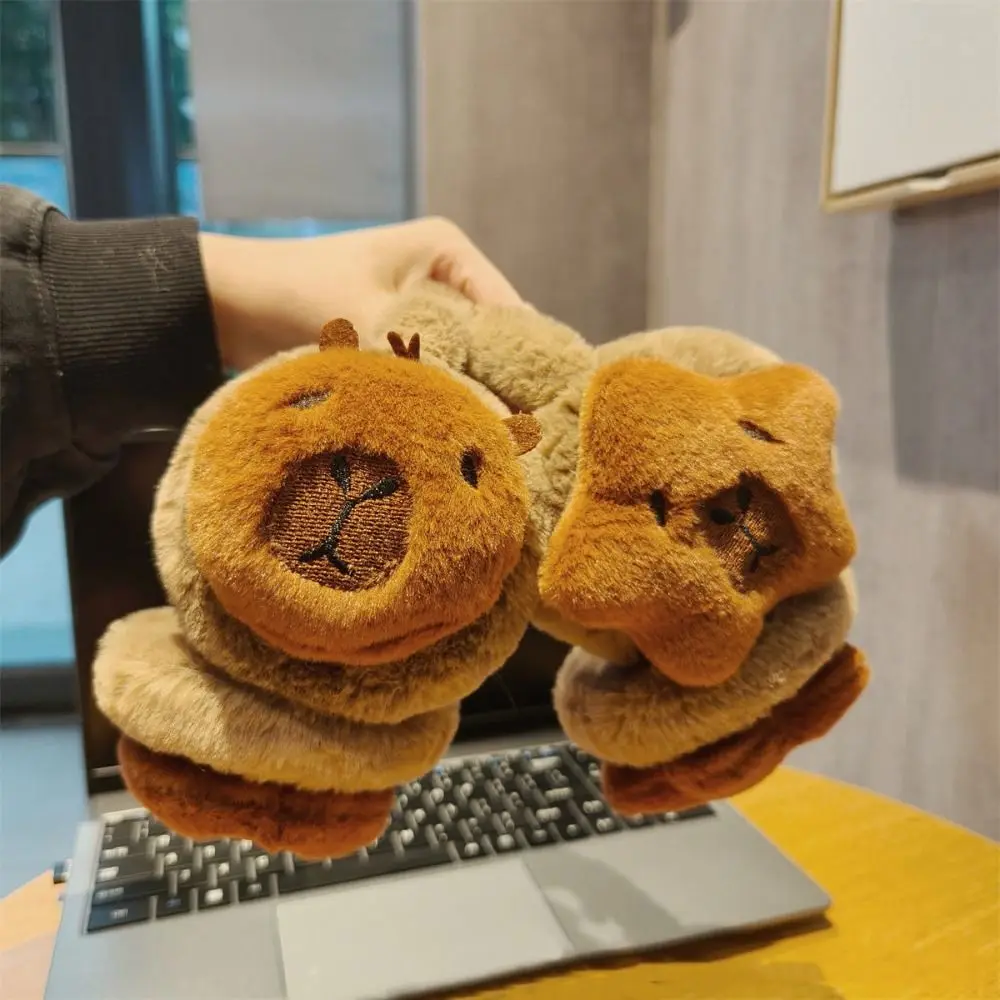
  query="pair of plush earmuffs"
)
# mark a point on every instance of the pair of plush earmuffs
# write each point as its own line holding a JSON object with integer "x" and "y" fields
{"x": 352, "y": 540}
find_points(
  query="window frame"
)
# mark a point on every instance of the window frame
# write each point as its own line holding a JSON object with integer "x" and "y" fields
{"x": 125, "y": 168}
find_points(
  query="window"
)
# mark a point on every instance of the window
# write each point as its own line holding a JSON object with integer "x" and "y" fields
{"x": 31, "y": 153}
{"x": 183, "y": 123}
{"x": 35, "y": 622}
{"x": 28, "y": 106}
{"x": 35, "y": 608}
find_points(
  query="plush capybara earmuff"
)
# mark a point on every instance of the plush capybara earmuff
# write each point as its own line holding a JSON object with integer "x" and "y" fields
{"x": 353, "y": 508}
{"x": 341, "y": 535}
{"x": 690, "y": 537}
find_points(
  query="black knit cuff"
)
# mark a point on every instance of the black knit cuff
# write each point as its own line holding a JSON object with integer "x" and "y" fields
{"x": 136, "y": 340}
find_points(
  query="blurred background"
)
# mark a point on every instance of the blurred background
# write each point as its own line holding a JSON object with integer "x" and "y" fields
{"x": 628, "y": 164}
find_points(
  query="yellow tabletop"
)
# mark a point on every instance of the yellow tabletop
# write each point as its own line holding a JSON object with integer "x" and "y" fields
{"x": 916, "y": 914}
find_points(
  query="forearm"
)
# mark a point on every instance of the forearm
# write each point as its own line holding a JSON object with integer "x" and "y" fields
{"x": 106, "y": 331}
{"x": 268, "y": 295}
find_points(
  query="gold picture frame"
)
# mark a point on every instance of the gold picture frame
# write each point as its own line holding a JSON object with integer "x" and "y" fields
{"x": 955, "y": 180}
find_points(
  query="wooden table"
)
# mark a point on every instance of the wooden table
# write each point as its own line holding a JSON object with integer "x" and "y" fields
{"x": 915, "y": 914}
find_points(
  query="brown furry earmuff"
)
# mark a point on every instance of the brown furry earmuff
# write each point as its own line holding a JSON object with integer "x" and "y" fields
{"x": 341, "y": 534}
{"x": 690, "y": 536}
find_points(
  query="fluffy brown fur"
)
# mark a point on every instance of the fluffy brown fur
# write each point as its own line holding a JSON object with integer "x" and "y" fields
{"x": 151, "y": 685}
{"x": 522, "y": 357}
{"x": 532, "y": 362}
{"x": 199, "y": 803}
{"x": 634, "y": 715}
{"x": 462, "y": 539}
{"x": 431, "y": 678}
{"x": 700, "y": 503}
{"x": 739, "y": 761}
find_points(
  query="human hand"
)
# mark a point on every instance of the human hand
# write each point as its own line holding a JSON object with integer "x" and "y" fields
{"x": 271, "y": 295}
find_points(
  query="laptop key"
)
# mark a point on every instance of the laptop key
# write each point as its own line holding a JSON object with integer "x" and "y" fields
{"x": 169, "y": 906}
{"x": 136, "y": 888}
{"x": 214, "y": 849}
{"x": 132, "y": 911}
{"x": 501, "y": 843}
{"x": 567, "y": 828}
{"x": 315, "y": 876}
{"x": 179, "y": 858}
{"x": 170, "y": 843}
{"x": 540, "y": 837}
{"x": 189, "y": 877}
{"x": 212, "y": 899}
{"x": 139, "y": 830}
{"x": 218, "y": 873}
{"x": 111, "y": 854}
{"x": 637, "y": 822}
{"x": 116, "y": 835}
{"x": 122, "y": 868}
{"x": 249, "y": 891}
{"x": 383, "y": 845}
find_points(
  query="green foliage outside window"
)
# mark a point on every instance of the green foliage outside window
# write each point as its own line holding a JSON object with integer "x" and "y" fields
{"x": 174, "y": 23}
{"x": 27, "y": 90}
{"x": 27, "y": 87}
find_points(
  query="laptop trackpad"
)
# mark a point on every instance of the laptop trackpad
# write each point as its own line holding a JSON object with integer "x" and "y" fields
{"x": 393, "y": 936}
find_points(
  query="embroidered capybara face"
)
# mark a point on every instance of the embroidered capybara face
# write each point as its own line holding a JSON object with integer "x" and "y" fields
{"x": 700, "y": 503}
{"x": 355, "y": 507}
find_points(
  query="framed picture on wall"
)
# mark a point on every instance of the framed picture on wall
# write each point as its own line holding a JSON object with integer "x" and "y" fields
{"x": 913, "y": 102}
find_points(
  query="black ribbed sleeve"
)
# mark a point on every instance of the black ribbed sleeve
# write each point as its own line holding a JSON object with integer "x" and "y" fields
{"x": 106, "y": 330}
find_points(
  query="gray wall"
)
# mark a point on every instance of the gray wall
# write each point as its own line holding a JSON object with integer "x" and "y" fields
{"x": 535, "y": 127}
{"x": 902, "y": 312}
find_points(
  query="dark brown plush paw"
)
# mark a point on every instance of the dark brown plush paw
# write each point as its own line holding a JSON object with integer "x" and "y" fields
{"x": 740, "y": 761}
{"x": 203, "y": 804}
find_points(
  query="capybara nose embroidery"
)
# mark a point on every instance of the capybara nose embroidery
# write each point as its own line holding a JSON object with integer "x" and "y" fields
{"x": 342, "y": 520}
{"x": 340, "y": 469}
{"x": 746, "y": 525}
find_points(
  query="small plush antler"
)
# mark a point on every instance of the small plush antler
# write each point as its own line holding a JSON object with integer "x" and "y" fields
{"x": 409, "y": 351}
{"x": 338, "y": 333}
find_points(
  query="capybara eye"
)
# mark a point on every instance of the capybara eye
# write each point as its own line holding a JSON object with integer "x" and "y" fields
{"x": 471, "y": 461}
{"x": 753, "y": 430}
{"x": 658, "y": 505}
{"x": 309, "y": 399}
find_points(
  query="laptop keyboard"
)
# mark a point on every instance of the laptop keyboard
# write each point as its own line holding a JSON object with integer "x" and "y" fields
{"x": 460, "y": 812}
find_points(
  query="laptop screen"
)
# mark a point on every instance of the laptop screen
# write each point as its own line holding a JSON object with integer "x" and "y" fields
{"x": 112, "y": 574}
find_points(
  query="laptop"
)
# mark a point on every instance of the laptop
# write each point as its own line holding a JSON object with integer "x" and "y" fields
{"x": 505, "y": 859}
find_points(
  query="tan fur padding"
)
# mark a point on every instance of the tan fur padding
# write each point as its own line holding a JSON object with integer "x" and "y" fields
{"x": 432, "y": 678}
{"x": 151, "y": 686}
{"x": 524, "y": 358}
{"x": 199, "y": 803}
{"x": 463, "y": 540}
{"x": 743, "y": 759}
{"x": 634, "y": 715}
{"x": 700, "y": 503}
{"x": 701, "y": 349}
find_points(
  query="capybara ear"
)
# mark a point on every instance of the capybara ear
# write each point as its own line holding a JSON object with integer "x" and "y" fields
{"x": 410, "y": 351}
{"x": 338, "y": 333}
{"x": 525, "y": 431}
